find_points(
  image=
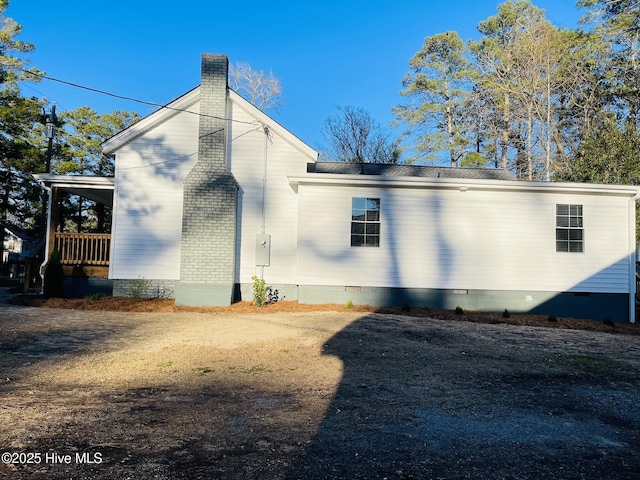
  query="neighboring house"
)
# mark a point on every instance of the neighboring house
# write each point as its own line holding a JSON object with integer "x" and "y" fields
{"x": 19, "y": 245}
{"x": 12, "y": 244}
{"x": 21, "y": 254}
{"x": 209, "y": 191}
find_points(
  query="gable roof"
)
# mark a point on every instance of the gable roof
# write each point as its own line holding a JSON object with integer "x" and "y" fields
{"x": 274, "y": 126}
{"x": 19, "y": 232}
{"x": 181, "y": 104}
{"x": 186, "y": 103}
{"x": 31, "y": 241}
{"x": 394, "y": 170}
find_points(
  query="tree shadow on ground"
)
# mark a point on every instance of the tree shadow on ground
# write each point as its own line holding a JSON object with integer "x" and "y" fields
{"x": 419, "y": 399}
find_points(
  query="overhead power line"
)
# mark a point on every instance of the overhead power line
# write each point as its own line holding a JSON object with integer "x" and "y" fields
{"x": 123, "y": 97}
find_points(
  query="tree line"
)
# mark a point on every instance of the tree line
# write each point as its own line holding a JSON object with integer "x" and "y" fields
{"x": 545, "y": 102}
{"x": 23, "y": 142}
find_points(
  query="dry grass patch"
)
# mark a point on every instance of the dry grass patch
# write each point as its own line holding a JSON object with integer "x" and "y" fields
{"x": 126, "y": 304}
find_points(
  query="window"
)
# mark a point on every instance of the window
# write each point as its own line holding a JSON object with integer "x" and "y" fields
{"x": 365, "y": 222}
{"x": 569, "y": 228}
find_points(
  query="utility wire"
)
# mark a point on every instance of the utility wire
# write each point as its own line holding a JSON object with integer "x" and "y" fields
{"x": 122, "y": 97}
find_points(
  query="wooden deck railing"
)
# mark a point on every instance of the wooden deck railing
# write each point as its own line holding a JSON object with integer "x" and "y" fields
{"x": 83, "y": 248}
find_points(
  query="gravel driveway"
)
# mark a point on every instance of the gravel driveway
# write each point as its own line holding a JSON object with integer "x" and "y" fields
{"x": 312, "y": 396}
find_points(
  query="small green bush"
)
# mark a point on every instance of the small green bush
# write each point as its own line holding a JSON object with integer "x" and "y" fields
{"x": 608, "y": 322}
{"x": 349, "y": 304}
{"x": 406, "y": 307}
{"x": 552, "y": 318}
{"x": 260, "y": 291}
{"x": 139, "y": 289}
{"x": 459, "y": 310}
{"x": 506, "y": 314}
{"x": 53, "y": 277}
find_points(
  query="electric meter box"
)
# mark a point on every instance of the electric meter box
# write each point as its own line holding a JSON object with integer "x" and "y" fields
{"x": 263, "y": 250}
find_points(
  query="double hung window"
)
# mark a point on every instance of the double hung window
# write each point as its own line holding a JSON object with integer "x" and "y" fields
{"x": 569, "y": 228}
{"x": 365, "y": 222}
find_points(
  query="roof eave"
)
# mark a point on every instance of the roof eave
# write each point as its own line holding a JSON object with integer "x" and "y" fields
{"x": 180, "y": 104}
{"x": 463, "y": 184}
{"x": 75, "y": 180}
{"x": 273, "y": 125}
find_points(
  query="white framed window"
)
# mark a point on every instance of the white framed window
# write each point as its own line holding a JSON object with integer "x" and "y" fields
{"x": 365, "y": 222}
{"x": 569, "y": 228}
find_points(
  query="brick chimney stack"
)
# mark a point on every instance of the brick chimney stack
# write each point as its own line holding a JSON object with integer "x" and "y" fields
{"x": 208, "y": 246}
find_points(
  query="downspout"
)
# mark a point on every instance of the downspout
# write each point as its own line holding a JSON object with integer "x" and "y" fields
{"x": 632, "y": 256}
{"x": 47, "y": 238}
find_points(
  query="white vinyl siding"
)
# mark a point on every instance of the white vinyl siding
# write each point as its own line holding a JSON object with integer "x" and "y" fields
{"x": 147, "y": 214}
{"x": 150, "y": 170}
{"x": 248, "y": 148}
{"x": 453, "y": 239}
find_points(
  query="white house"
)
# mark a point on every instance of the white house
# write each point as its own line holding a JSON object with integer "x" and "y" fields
{"x": 20, "y": 249}
{"x": 487, "y": 244}
{"x": 15, "y": 244}
{"x": 209, "y": 191}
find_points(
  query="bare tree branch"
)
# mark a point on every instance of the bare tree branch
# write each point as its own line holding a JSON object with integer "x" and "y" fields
{"x": 354, "y": 136}
{"x": 261, "y": 89}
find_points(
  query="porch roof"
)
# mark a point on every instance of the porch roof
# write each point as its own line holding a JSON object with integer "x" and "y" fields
{"x": 98, "y": 189}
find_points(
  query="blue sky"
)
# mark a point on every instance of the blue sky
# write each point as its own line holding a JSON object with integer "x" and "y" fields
{"x": 326, "y": 53}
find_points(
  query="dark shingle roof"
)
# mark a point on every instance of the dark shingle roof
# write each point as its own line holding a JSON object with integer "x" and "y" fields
{"x": 408, "y": 170}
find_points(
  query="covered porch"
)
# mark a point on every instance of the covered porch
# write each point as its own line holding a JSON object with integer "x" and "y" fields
{"x": 82, "y": 254}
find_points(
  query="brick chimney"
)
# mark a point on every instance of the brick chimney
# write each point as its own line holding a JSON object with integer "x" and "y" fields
{"x": 208, "y": 246}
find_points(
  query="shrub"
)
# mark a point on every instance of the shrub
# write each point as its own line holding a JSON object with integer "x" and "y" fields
{"x": 273, "y": 295}
{"x": 506, "y": 314}
{"x": 260, "y": 291}
{"x": 406, "y": 307}
{"x": 53, "y": 277}
{"x": 349, "y": 304}
{"x": 459, "y": 310}
{"x": 160, "y": 291}
{"x": 139, "y": 289}
{"x": 552, "y": 318}
{"x": 608, "y": 322}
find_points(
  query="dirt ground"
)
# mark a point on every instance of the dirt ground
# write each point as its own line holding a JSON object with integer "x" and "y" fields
{"x": 293, "y": 392}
